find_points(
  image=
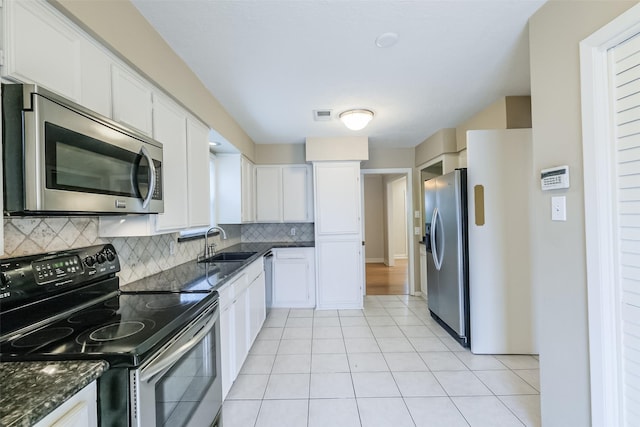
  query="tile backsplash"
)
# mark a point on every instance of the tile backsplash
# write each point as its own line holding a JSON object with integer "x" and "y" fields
{"x": 139, "y": 256}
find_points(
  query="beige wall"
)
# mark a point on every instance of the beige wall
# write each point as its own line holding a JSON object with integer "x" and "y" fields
{"x": 374, "y": 226}
{"x": 271, "y": 154}
{"x": 386, "y": 158}
{"x": 336, "y": 149}
{"x": 119, "y": 25}
{"x": 441, "y": 142}
{"x": 558, "y": 248}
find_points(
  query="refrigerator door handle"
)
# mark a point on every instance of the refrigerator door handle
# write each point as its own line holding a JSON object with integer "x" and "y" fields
{"x": 436, "y": 252}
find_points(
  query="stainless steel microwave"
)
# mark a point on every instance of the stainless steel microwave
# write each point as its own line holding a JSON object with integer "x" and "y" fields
{"x": 61, "y": 158}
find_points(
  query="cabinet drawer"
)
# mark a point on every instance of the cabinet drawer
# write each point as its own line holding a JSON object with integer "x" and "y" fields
{"x": 254, "y": 270}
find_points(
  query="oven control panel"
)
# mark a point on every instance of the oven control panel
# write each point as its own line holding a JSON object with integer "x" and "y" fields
{"x": 26, "y": 278}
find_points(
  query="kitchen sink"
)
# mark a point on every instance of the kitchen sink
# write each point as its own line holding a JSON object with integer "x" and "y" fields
{"x": 229, "y": 257}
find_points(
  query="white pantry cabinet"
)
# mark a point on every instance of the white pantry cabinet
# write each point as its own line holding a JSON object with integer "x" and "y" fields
{"x": 338, "y": 235}
{"x": 81, "y": 410}
{"x": 284, "y": 193}
{"x": 294, "y": 277}
{"x": 242, "y": 313}
{"x": 234, "y": 189}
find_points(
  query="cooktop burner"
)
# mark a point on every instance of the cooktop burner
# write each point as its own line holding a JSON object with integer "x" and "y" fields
{"x": 42, "y": 337}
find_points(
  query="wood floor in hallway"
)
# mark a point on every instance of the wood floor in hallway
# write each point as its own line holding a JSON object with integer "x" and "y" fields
{"x": 384, "y": 280}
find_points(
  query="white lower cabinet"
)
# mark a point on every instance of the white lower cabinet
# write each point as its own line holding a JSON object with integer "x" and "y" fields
{"x": 81, "y": 410}
{"x": 242, "y": 313}
{"x": 294, "y": 277}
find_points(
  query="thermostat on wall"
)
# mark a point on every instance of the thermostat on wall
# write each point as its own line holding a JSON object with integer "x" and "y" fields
{"x": 554, "y": 178}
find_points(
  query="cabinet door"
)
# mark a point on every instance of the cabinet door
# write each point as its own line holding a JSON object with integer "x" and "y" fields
{"x": 42, "y": 48}
{"x": 339, "y": 273}
{"x": 81, "y": 410}
{"x": 169, "y": 128}
{"x": 199, "y": 192}
{"x": 248, "y": 190}
{"x": 290, "y": 284}
{"x": 241, "y": 310}
{"x": 227, "y": 346}
{"x": 228, "y": 189}
{"x": 296, "y": 196}
{"x": 132, "y": 100}
{"x": 95, "y": 69}
{"x": 257, "y": 302}
{"x": 337, "y": 194}
{"x": 268, "y": 194}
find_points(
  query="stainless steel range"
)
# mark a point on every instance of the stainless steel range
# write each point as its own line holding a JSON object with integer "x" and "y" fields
{"x": 162, "y": 348}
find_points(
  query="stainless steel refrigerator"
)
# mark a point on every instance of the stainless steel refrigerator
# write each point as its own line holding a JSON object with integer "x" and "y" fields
{"x": 446, "y": 240}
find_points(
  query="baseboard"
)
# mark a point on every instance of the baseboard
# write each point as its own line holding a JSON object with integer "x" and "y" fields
{"x": 374, "y": 260}
{"x": 401, "y": 257}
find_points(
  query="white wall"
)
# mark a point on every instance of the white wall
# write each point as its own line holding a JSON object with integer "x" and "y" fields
{"x": 558, "y": 248}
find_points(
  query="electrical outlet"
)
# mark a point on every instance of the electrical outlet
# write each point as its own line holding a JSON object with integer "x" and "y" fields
{"x": 559, "y": 208}
{"x": 416, "y": 214}
{"x": 172, "y": 247}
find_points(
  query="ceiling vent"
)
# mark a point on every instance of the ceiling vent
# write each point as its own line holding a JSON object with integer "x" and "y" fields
{"x": 321, "y": 115}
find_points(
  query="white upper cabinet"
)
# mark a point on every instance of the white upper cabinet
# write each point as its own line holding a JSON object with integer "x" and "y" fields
{"x": 169, "y": 128}
{"x": 132, "y": 100}
{"x": 41, "y": 47}
{"x": 95, "y": 70}
{"x": 284, "y": 193}
{"x": 337, "y": 194}
{"x": 234, "y": 189}
{"x": 268, "y": 193}
{"x": 198, "y": 183}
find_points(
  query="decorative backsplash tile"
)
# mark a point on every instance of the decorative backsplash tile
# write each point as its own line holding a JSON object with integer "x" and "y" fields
{"x": 139, "y": 256}
{"x": 288, "y": 232}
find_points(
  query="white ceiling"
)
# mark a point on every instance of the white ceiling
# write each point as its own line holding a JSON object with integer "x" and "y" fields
{"x": 271, "y": 62}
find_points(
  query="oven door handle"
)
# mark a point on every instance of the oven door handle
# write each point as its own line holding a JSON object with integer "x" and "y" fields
{"x": 170, "y": 357}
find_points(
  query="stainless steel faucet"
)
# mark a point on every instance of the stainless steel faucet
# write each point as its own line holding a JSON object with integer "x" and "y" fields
{"x": 210, "y": 251}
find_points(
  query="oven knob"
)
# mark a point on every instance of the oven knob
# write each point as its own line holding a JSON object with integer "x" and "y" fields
{"x": 101, "y": 258}
{"x": 111, "y": 256}
{"x": 90, "y": 260}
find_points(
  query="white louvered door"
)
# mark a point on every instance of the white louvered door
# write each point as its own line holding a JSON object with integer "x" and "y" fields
{"x": 624, "y": 61}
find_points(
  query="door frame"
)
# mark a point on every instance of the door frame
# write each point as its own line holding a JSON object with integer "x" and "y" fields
{"x": 600, "y": 218}
{"x": 408, "y": 172}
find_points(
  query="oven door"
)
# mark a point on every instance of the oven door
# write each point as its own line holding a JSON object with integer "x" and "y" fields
{"x": 181, "y": 385}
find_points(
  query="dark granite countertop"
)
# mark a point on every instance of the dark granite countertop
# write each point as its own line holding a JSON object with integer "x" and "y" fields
{"x": 29, "y": 391}
{"x": 193, "y": 276}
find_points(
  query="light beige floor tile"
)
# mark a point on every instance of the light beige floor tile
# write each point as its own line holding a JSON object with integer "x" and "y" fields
{"x": 337, "y": 385}
{"x": 326, "y": 321}
{"x": 384, "y": 413}
{"x": 265, "y": 347}
{"x": 292, "y": 364}
{"x": 275, "y": 322}
{"x": 357, "y": 332}
{"x": 287, "y": 386}
{"x": 326, "y": 313}
{"x": 282, "y": 413}
{"x": 367, "y": 362}
{"x": 353, "y": 321}
{"x": 361, "y": 345}
{"x": 270, "y": 333}
{"x": 405, "y": 362}
{"x": 531, "y": 376}
{"x": 248, "y": 387}
{"x": 387, "y": 332}
{"x": 395, "y": 304}
{"x": 428, "y": 344}
{"x": 374, "y": 384}
{"x": 442, "y": 361}
{"x": 408, "y": 320}
{"x": 328, "y": 346}
{"x": 435, "y": 412}
{"x": 351, "y": 313}
{"x": 418, "y": 384}
{"x": 404, "y": 311}
{"x": 461, "y": 383}
{"x": 486, "y": 411}
{"x": 295, "y": 347}
{"x": 525, "y": 407}
{"x": 416, "y": 331}
{"x": 519, "y": 361}
{"x": 505, "y": 383}
{"x": 380, "y": 321}
{"x": 297, "y": 333}
{"x": 258, "y": 364}
{"x": 395, "y": 345}
{"x": 240, "y": 412}
{"x": 374, "y": 312}
{"x": 327, "y": 332}
{"x": 301, "y": 312}
{"x": 329, "y": 363}
{"x": 479, "y": 362}
{"x": 333, "y": 413}
{"x": 299, "y": 322}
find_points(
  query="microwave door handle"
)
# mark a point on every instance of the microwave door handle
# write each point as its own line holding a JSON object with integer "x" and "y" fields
{"x": 174, "y": 355}
{"x": 152, "y": 177}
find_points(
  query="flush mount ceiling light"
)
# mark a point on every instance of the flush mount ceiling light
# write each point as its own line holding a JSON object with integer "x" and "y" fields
{"x": 214, "y": 143}
{"x": 356, "y": 119}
